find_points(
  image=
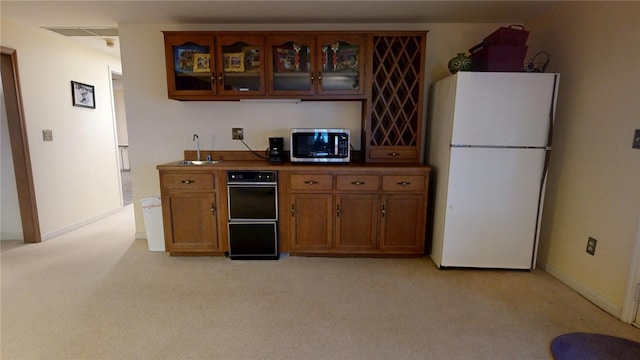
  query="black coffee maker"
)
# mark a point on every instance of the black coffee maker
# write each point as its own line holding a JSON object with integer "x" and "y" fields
{"x": 276, "y": 151}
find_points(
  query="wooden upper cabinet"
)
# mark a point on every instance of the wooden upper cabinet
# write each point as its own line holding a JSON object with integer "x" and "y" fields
{"x": 291, "y": 64}
{"x": 190, "y": 62}
{"x": 241, "y": 69}
{"x": 306, "y": 64}
{"x": 386, "y": 69}
{"x": 340, "y": 59}
{"x": 395, "y": 113}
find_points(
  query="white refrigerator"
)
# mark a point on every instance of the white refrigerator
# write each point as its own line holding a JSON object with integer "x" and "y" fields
{"x": 490, "y": 142}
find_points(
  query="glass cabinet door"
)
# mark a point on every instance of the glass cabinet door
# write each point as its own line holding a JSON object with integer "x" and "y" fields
{"x": 190, "y": 65}
{"x": 291, "y": 65}
{"x": 341, "y": 68}
{"x": 241, "y": 66}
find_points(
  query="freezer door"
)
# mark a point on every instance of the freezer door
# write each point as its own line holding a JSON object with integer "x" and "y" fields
{"x": 503, "y": 109}
{"x": 491, "y": 207}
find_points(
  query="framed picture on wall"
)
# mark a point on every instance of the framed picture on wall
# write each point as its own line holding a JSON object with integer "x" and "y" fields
{"x": 83, "y": 95}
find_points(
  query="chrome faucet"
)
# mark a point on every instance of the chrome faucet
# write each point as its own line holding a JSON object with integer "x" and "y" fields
{"x": 196, "y": 138}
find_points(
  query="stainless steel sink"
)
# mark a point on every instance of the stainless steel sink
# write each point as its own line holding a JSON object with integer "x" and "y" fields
{"x": 197, "y": 162}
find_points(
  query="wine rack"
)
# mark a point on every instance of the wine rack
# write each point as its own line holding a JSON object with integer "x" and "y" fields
{"x": 397, "y": 85}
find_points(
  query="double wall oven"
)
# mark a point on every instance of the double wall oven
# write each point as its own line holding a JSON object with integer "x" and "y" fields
{"x": 253, "y": 214}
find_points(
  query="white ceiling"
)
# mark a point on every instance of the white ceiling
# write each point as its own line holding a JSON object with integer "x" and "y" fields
{"x": 111, "y": 13}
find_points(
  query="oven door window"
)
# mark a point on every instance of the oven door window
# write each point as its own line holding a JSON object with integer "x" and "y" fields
{"x": 252, "y": 239}
{"x": 252, "y": 202}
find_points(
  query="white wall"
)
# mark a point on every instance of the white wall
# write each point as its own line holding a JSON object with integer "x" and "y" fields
{"x": 76, "y": 176}
{"x": 120, "y": 112}
{"x": 594, "y": 183}
{"x": 161, "y": 129}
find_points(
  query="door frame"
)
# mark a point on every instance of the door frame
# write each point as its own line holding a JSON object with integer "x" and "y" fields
{"x": 113, "y": 73}
{"x": 631, "y": 305}
{"x": 19, "y": 146}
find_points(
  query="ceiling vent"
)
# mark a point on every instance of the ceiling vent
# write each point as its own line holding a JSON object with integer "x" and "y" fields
{"x": 85, "y": 31}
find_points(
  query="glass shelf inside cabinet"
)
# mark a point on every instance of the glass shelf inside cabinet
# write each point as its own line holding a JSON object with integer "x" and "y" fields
{"x": 192, "y": 69}
{"x": 241, "y": 67}
{"x": 291, "y": 67}
{"x": 340, "y": 66}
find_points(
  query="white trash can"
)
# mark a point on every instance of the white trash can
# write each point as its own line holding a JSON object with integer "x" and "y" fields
{"x": 152, "y": 213}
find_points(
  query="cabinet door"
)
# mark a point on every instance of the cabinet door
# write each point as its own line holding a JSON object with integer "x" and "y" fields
{"x": 290, "y": 65}
{"x": 396, "y": 110}
{"x": 190, "y": 65}
{"x": 341, "y": 66}
{"x": 241, "y": 69}
{"x": 402, "y": 223}
{"x": 311, "y": 222}
{"x": 190, "y": 222}
{"x": 356, "y": 219}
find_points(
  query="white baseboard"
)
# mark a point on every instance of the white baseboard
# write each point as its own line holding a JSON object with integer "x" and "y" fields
{"x": 589, "y": 294}
{"x": 141, "y": 235}
{"x": 80, "y": 224}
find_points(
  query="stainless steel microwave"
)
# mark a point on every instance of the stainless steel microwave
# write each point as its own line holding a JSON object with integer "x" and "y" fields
{"x": 320, "y": 145}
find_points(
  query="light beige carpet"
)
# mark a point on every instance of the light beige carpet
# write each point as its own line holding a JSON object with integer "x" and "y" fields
{"x": 96, "y": 293}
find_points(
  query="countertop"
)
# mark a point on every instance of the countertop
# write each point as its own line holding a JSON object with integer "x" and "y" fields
{"x": 289, "y": 166}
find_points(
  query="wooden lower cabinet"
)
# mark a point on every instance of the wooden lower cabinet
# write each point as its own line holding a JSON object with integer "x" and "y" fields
{"x": 311, "y": 223}
{"x": 190, "y": 213}
{"x": 358, "y": 214}
{"x": 402, "y": 223}
{"x": 192, "y": 223}
{"x": 356, "y": 220}
{"x": 332, "y": 211}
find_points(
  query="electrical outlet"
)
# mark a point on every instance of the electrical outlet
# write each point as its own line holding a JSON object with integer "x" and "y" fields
{"x": 636, "y": 139}
{"x": 591, "y": 246}
{"x": 237, "y": 133}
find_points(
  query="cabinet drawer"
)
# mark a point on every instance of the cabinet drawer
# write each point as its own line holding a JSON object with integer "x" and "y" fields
{"x": 403, "y": 183}
{"x": 357, "y": 182}
{"x": 390, "y": 153}
{"x": 311, "y": 182}
{"x": 188, "y": 181}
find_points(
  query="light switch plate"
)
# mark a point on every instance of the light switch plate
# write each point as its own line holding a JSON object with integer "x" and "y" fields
{"x": 47, "y": 135}
{"x": 591, "y": 246}
{"x": 636, "y": 139}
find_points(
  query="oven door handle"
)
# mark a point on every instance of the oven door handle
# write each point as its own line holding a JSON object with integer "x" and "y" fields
{"x": 252, "y": 184}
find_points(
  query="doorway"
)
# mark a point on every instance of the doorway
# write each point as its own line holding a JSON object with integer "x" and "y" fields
{"x": 634, "y": 282}
{"x": 122, "y": 137}
{"x": 631, "y": 306}
{"x": 19, "y": 146}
